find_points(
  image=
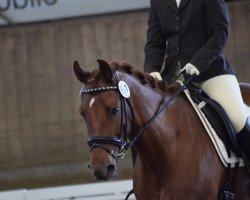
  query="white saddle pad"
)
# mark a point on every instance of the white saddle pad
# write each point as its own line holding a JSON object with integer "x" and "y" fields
{"x": 218, "y": 144}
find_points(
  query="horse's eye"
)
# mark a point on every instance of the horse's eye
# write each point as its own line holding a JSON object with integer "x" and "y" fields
{"x": 114, "y": 110}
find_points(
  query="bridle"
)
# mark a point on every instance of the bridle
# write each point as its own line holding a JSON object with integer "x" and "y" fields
{"x": 122, "y": 141}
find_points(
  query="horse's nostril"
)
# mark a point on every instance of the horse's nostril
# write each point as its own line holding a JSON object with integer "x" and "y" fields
{"x": 110, "y": 168}
{"x": 89, "y": 167}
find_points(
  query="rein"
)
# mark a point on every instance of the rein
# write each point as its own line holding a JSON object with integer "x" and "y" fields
{"x": 122, "y": 140}
{"x": 164, "y": 106}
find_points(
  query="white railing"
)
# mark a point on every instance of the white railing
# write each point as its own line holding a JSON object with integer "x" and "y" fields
{"x": 116, "y": 190}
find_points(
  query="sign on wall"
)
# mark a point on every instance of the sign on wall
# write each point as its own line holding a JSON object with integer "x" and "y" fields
{"x": 22, "y": 11}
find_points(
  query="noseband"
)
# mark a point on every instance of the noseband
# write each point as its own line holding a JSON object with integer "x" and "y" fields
{"x": 122, "y": 141}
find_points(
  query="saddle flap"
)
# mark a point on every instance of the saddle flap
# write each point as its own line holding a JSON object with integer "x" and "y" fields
{"x": 217, "y": 125}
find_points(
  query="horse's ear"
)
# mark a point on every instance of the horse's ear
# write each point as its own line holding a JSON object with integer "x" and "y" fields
{"x": 81, "y": 74}
{"x": 105, "y": 70}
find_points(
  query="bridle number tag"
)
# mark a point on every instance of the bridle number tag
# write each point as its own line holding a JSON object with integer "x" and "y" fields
{"x": 124, "y": 89}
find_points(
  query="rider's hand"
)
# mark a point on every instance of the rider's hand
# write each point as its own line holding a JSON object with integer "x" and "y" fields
{"x": 190, "y": 69}
{"x": 156, "y": 75}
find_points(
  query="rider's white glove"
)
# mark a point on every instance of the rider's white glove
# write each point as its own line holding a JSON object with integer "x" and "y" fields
{"x": 190, "y": 69}
{"x": 156, "y": 75}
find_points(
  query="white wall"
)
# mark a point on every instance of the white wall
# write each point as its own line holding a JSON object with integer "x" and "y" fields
{"x": 20, "y": 11}
{"x": 116, "y": 190}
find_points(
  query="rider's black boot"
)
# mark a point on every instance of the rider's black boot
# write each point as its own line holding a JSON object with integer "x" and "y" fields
{"x": 243, "y": 138}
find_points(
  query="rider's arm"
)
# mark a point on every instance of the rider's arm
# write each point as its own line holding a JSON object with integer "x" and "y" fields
{"x": 156, "y": 45}
{"x": 217, "y": 30}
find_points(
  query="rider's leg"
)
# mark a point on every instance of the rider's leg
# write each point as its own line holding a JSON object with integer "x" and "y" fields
{"x": 225, "y": 90}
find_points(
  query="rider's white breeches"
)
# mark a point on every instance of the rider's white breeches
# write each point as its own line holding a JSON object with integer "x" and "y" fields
{"x": 226, "y": 91}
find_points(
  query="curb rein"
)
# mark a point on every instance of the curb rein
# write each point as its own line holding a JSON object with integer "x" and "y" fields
{"x": 122, "y": 141}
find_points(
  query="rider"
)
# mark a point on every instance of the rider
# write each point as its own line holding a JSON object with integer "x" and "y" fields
{"x": 190, "y": 35}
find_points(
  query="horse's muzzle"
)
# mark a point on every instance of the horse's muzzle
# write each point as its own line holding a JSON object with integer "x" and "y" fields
{"x": 102, "y": 165}
{"x": 105, "y": 173}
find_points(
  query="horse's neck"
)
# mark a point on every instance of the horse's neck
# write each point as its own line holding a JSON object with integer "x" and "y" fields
{"x": 171, "y": 141}
{"x": 146, "y": 102}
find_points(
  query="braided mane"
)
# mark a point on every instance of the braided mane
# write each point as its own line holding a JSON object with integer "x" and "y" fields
{"x": 144, "y": 78}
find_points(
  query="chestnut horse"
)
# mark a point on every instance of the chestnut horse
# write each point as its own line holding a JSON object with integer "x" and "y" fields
{"x": 175, "y": 157}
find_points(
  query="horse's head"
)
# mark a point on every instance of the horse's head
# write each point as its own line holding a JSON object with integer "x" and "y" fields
{"x": 105, "y": 113}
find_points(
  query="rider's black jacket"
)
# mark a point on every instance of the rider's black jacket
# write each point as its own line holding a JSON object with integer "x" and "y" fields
{"x": 196, "y": 33}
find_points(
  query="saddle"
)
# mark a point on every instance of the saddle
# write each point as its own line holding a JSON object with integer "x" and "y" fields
{"x": 215, "y": 118}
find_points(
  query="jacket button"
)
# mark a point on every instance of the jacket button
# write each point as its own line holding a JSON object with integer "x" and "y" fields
{"x": 178, "y": 48}
{"x": 177, "y": 17}
{"x": 177, "y": 27}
